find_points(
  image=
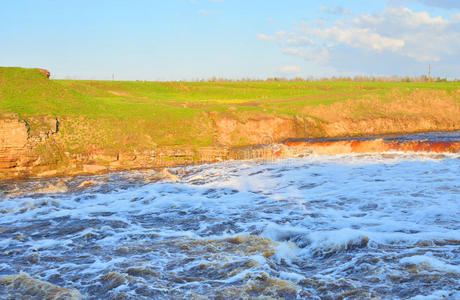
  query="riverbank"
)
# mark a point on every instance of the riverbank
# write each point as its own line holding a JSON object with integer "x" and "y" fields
{"x": 30, "y": 166}
{"x": 68, "y": 127}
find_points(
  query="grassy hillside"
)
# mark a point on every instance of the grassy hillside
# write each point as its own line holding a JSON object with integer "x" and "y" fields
{"x": 142, "y": 114}
{"x": 28, "y": 92}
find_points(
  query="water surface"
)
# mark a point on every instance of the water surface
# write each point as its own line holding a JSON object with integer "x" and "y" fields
{"x": 322, "y": 227}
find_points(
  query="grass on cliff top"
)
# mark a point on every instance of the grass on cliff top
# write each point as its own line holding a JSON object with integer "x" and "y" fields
{"x": 27, "y": 92}
{"x": 175, "y": 112}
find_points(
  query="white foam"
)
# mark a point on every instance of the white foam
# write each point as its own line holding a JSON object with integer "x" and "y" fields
{"x": 291, "y": 276}
{"x": 430, "y": 262}
{"x": 286, "y": 251}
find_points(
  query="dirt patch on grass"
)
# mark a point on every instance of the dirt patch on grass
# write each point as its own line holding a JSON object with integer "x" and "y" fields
{"x": 119, "y": 93}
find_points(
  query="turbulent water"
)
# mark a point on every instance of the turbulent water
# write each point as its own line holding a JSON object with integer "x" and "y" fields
{"x": 322, "y": 227}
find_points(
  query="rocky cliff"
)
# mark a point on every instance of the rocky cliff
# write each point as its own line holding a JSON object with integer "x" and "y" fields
{"x": 15, "y": 154}
{"x": 25, "y": 152}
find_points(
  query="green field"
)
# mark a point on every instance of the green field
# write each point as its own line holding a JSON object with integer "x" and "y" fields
{"x": 174, "y": 113}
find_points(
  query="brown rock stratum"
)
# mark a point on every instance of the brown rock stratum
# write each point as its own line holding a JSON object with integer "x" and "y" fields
{"x": 42, "y": 154}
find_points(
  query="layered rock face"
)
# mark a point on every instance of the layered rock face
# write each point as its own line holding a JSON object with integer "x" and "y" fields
{"x": 14, "y": 152}
{"x": 13, "y": 133}
{"x": 43, "y": 153}
{"x": 25, "y": 152}
{"x": 20, "y": 150}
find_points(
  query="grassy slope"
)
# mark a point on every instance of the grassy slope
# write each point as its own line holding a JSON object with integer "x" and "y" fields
{"x": 140, "y": 114}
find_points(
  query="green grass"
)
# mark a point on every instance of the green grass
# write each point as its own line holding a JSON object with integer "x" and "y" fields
{"x": 28, "y": 93}
{"x": 170, "y": 113}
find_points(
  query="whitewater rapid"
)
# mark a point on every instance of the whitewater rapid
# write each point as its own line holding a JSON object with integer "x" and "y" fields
{"x": 351, "y": 226}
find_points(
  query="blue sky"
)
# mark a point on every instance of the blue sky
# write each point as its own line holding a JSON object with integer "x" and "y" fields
{"x": 196, "y": 39}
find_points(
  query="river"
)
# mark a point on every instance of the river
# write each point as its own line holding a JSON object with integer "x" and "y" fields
{"x": 320, "y": 227}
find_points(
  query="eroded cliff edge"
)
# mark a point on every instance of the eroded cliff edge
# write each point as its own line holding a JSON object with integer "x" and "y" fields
{"x": 25, "y": 152}
{"x": 68, "y": 127}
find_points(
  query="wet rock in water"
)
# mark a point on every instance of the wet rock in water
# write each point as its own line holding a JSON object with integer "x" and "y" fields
{"x": 164, "y": 174}
{"x": 260, "y": 286}
{"x": 19, "y": 237}
{"x": 123, "y": 250}
{"x": 142, "y": 272}
{"x": 36, "y": 189}
{"x": 60, "y": 187}
{"x": 86, "y": 183}
{"x": 33, "y": 258}
{"x": 113, "y": 280}
{"x": 22, "y": 286}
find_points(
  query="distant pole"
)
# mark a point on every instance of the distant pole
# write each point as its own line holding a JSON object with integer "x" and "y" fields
{"x": 429, "y": 72}
{"x": 113, "y": 76}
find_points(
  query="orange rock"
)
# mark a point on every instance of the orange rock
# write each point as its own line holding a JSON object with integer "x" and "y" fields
{"x": 86, "y": 183}
{"x": 13, "y": 133}
{"x": 45, "y": 72}
{"x": 93, "y": 169}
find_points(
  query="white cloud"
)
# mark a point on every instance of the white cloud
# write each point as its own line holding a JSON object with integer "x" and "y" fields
{"x": 277, "y": 36}
{"x": 446, "y": 4}
{"x": 336, "y": 10}
{"x": 203, "y": 12}
{"x": 290, "y": 70}
{"x": 357, "y": 37}
{"x": 319, "y": 55}
{"x": 299, "y": 41}
{"x": 442, "y": 3}
{"x": 293, "y": 51}
{"x": 426, "y": 38}
{"x": 398, "y": 31}
{"x": 401, "y": 16}
{"x": 265, "y": 37}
